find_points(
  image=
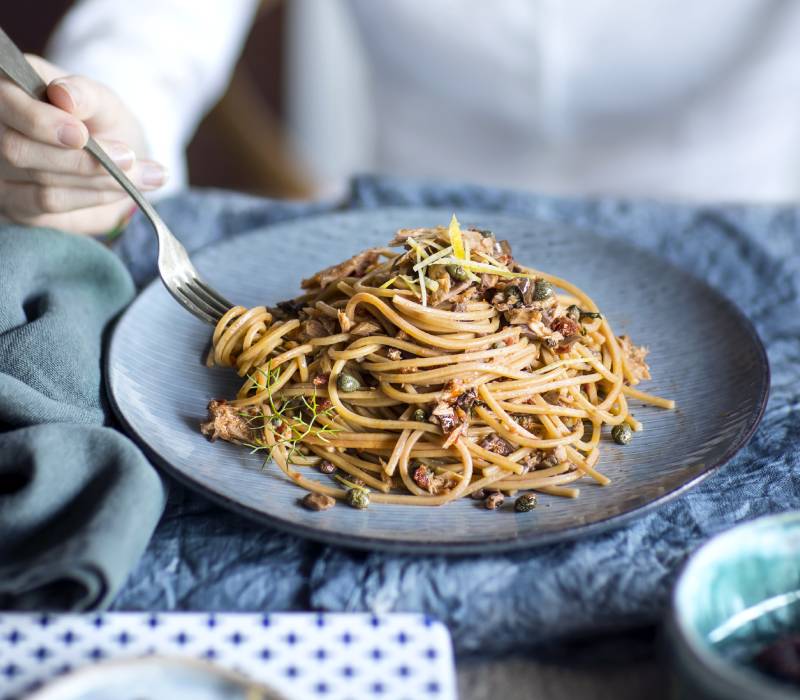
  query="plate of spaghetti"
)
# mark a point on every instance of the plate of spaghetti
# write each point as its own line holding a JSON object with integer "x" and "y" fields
{"x": 436, "y": 385}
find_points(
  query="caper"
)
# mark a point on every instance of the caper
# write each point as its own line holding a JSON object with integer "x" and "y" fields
{"x": 420, "y": 415}
{"x": 543, "y": 290}
{"x": 358, "y": 498}
{"x": 591, "y": 314}
{"x": 485, "y": 232}
{"x": 574, "y": 312}
{"x": 457, "y": 272}
{"x": 622, "y": 434}
{"x": 347, "y": 383}
{"x": 513, "y": 295}
{"x": 525, "y": 503}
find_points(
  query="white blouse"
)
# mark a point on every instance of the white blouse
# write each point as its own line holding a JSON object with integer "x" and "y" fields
{"x": 659, "y": 98}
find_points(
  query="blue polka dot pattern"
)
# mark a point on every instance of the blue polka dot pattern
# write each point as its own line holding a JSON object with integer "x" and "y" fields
{"x": 69, "y": 637}
{"x": 42, "y": 653}
{"x": 11, "y": 670}
{"x": 14, "y": 636}
{"x": 312, "y": 655}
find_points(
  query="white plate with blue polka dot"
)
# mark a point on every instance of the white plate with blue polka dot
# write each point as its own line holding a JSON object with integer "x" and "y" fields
{"x": 297, "y": 656}
{"x": 160, "y": 386}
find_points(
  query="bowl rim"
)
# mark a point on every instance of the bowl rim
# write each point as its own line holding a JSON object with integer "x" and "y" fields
{"x": 724, "y": 674}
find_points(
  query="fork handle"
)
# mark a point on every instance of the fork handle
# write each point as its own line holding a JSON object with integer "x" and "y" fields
{"x": 19, "y": 71}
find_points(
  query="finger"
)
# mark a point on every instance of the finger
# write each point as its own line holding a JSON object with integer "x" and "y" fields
{"x": 38, "y": 120}
{"x": 24, "y": 153}
{"x": 94, "y": 220}
{"x": 20, "y": 199}
{"x": 85, "y": 99}
{"x": 145, "y": 174}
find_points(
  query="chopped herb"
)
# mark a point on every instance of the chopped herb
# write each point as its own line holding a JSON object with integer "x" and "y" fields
{"x": 433, "y": 258}
{"x": 351, "y": 482}
{"x": 431, "y": 284}
{"x": 284, "y": 419}
{"x": 483, "y": 267}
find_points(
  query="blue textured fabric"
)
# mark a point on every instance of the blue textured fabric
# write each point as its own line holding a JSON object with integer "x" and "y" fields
{"x": 203, "y": 558}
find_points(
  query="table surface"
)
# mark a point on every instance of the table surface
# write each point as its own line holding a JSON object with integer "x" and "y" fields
{"x": 528, "y": 679}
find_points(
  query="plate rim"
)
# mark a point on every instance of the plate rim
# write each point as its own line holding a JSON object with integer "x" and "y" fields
{"x": 484, "y": 546}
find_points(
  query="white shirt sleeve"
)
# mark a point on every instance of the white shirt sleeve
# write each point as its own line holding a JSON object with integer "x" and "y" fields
{"x": 169, "y": 61}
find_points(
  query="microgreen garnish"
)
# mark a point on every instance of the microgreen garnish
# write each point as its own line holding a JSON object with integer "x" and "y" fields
{"x": 290, "y": 421}
{"x": 349, "y": 484}
{"x": 421, "y": 255}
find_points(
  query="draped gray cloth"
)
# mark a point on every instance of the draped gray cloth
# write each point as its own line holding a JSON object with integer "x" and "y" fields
{"x": 78, "y": 500}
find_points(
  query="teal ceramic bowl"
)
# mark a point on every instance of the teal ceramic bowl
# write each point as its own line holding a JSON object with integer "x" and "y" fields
{"x": 739, "y": 593}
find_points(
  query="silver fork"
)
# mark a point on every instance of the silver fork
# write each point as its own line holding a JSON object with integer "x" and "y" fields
{"x": 176, "y": 270}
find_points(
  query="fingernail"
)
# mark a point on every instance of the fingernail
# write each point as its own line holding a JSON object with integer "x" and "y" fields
{"x": 121, "y": 154}
{"x": 71, "y": 135}
{"x": 73, "y": 93}
{"x": 153, "y": 174}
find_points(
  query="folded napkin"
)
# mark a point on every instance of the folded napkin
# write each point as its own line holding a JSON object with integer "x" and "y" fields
{"x": 204, "y": 558}
{"x": 78, "y": 501}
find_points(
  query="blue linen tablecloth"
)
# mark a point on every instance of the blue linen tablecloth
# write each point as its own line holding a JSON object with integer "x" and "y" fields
{"x": 204, "y": 558}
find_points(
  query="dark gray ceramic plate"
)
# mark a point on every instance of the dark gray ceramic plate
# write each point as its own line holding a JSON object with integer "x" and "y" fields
{"x": 704, "y": 353}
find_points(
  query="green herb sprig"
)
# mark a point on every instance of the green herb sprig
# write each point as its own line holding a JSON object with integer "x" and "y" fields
{"x": 284, "y": 418}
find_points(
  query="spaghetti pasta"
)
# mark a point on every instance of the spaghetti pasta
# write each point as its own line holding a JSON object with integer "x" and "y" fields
{"x": 444, "y": 370}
